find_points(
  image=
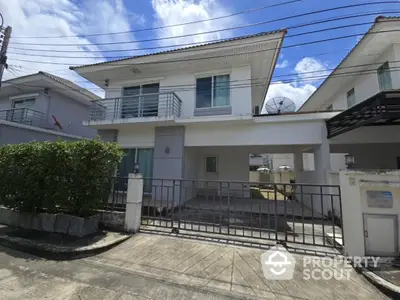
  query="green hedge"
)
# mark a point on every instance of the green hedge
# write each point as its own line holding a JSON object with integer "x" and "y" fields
{"x": 54, "y": 176}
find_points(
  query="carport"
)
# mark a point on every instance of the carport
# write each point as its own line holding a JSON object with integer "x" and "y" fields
{"x": 369, "y": 131}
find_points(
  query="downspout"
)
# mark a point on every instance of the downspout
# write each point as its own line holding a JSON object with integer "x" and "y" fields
{"x": 47, "y": 95}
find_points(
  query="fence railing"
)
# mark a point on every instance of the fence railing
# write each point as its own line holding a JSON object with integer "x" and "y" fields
{"x": 24, "y": 116}
{"x": 164, "y": 104}
{"x": 118, "y": 194}
{"x": 289, "y": 212}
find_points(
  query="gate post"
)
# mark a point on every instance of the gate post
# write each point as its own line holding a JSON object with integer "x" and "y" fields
{"x": 134, "y": 200}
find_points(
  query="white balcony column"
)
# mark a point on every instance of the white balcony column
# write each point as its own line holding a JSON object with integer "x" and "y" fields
{"x": 134, "y": 200}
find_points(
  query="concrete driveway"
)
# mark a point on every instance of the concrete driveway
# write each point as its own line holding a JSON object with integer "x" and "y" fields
{"x": 150, "y": 266}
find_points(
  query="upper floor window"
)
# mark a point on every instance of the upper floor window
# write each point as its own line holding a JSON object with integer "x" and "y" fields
{"x": 213, "y": 91}
{"x": 384, "y": 79}
{"x": 24, "y": 103}
{"x": 351, "y": 98}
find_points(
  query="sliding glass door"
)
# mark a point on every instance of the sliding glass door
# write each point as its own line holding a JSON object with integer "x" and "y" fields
{"x": 130, "y": 102}
{"x": 145, "y": 158}
{"x": 140, "y": 101}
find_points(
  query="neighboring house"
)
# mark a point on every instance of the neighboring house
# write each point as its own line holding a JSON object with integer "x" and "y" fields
{"x": 366, "y": 85}
{"x": 43, "y": 107}
{"x": 258, "y": 160}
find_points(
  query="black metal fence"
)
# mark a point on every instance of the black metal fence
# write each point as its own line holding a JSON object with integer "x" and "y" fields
{"x": 291, "y": 213}
{"x": 117, "y": 198}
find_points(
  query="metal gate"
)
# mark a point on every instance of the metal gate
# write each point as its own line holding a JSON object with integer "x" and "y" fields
{"x": 290, "y": 213}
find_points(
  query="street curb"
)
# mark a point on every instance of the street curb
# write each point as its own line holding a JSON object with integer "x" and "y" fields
{"x": 382, "y": 284}
{"x": 58, "y": 252}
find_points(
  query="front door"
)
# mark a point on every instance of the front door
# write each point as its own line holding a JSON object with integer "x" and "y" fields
{"x": 380, "y": 234}
{"x": 211, "y": 183}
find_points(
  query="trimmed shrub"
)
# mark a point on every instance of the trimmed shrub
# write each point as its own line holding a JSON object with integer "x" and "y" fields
{"x": 74, "y": 177}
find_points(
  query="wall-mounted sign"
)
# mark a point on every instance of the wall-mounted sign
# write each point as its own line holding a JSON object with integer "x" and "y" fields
{"x": 381, "y": 199}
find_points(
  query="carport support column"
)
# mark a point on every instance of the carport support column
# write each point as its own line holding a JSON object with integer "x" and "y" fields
{"x": 322, "y": 160}
{"x": 134, "y": 200}
{"x": 298, "y": 162}
{"x": 322, "y": 165}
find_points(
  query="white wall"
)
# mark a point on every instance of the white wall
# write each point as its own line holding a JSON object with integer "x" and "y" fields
{"x": 290, "y": 133}
{"x": 139, "y": 138}
{"x": 232, "y": 165}
{"x": 354, "y": 185}
{"x": 185, "y": 88}
{"x": 367, "y": 85}
{"x": 337, "y": 161}
{"x": 282, "y": 159}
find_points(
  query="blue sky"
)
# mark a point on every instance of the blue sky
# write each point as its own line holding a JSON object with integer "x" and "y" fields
{"x": 77, "y": 18}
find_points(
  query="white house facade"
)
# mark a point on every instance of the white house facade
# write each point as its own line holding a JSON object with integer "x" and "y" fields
{"x": 194, "y": 113}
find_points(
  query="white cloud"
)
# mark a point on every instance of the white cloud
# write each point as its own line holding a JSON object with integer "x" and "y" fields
{"x": 309, "y": 72}
{"x": 283, "y": 64}
{"x": 171, "y": 12}
{"x": 61, "y": 17}
{"x": 299, "y": 94}
{"x": 310, "y": 69}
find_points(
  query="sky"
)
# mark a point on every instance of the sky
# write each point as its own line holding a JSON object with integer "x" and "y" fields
{"x": 76, "y": 20}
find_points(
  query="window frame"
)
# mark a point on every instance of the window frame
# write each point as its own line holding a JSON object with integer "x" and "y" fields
{"x": 216, "y": 164}
{"x": 354, "y": 97}
{"x": 30, "y": 99}
{"x": 381, "y": 71}
{"x": 203, "y": 76}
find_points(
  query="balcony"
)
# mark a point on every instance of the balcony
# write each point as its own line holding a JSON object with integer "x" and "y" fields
{"x": 157, "y": 105}
{"x": 25, "y": 116}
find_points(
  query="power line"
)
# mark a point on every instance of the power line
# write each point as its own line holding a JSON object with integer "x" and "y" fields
{"x": 163, "y": 27}
{"x": 182, "y": 88}
{"x": 292, "y": 74}
{"x": 215, "y": 31}
{"x": 216, "y": 47}
{"x": 219, "y": 56}
{"x": 122, "y": 57}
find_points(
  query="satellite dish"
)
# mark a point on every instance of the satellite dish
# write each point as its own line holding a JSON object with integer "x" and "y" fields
{"x": 279, "y": 105}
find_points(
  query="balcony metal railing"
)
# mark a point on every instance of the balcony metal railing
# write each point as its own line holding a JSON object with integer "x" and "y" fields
{"x": 164, "y": 104}
{"x": 24, "y": 116}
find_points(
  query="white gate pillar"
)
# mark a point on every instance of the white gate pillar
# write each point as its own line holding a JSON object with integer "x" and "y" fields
{"x": 134, "y": 200}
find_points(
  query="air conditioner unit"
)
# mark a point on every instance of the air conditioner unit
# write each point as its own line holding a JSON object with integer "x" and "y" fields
{"x": 256, "y": 110}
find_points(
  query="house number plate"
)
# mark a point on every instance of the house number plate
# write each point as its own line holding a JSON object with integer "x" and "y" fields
{"x": 381, "y": 199}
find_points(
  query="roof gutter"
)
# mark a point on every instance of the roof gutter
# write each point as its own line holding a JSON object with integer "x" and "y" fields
{"x": 273, "y": 65}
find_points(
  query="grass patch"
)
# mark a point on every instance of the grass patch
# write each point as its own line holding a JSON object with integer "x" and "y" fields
{"x": 258, "y": 193}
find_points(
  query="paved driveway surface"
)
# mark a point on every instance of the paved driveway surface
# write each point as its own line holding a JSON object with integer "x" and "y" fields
{"x": 152, "y": 266}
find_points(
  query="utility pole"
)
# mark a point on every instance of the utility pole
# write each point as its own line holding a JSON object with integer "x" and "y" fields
{"x": 3, "y": 52}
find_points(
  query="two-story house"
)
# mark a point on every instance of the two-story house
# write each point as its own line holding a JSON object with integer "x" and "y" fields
{"x": 193, "y": 113}
{"x": 365, "y": 89}
{"x": 43, "y": 107}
